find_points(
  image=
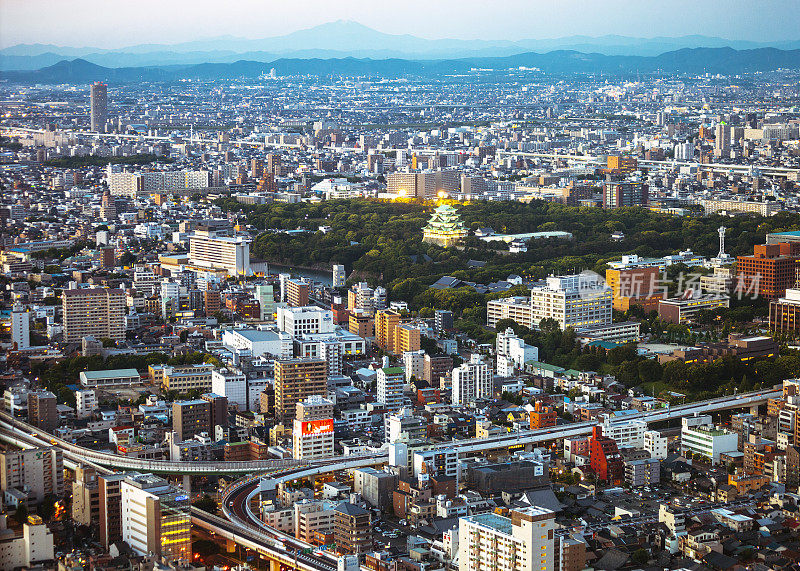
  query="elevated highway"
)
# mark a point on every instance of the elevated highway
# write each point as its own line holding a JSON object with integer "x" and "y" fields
{"x": 15, "y": 427}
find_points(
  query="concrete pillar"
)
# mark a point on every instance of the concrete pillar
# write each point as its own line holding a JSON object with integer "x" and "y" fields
{"x": 274, "y": 565}
{"x": 754, "y": 410}
{"x": 187, "y": 483}
{"x": 230, "y": 546}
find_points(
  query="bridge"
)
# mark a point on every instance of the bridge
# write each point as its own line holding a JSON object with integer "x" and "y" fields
{"x": 10, "y": 426}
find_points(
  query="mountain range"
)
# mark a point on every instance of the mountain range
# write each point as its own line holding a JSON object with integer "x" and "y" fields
{"x": 343, "y": 39}
{"x": 688, "y": 60}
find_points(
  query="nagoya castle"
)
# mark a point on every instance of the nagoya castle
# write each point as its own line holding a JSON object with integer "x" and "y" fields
{"x": 444, "y": 228}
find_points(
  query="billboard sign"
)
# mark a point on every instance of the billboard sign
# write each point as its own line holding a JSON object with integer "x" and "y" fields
{"x": 312, "y": 427}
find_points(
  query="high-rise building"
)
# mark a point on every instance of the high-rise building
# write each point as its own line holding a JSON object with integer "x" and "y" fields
{"x": 98, "y": 106}
{"x": 99, "y": 312}
{"x": 391, "y": 381}
{"x": 207, "y": 250}
{"x": 38, "y": 472}
{"x": 85, "y": 497}
{"x": 770, "y": 270}
{"x": 295, "y": 380}
{"x": 20, "y": 328}
{"x": 156, "y": 517}
{"x": 443, "y": 321}
{"x": 42, "y": 410}
{"x": 297, "y": 292}
{"x": 312, "y": 431}
{"x": 436, "y": 367}
{"x": 580, "y": 300}
{"x": 624, "y": 193}
{"x": 265, "y": 295}
{"x": 634, "y": 286}
{"x": 110, "y": 502}
{"x": 604, "y": 457}
{"x": 524, "y": 541}
{"x": 308, "y": 319}
{"x": 472, "y": 381}
{"x": 351, "y": 529}
{"x": 339, "y": 276}
{"x": 191, "y": 417}
{"x": 218, "y": 410}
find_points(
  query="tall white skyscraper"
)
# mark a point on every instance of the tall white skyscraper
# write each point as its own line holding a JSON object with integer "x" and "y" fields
{"x": 472, "y": 381}
{"x": 20, "y": 328}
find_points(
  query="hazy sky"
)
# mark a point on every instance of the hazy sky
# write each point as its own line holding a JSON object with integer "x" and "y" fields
{"x": 117, "y": 23}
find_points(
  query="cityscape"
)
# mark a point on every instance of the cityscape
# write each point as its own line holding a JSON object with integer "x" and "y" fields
{"x": 359, "y": 291}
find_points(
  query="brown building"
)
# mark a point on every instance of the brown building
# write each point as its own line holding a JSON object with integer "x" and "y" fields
{"x": 624, "y": 193}
{"x": 621, "y": 164}
{"x": 770, "y": 270}
{"x": 297, "y": 292}
{"x": 634, "y": 286}
{"x": 190, "y": 417}
{"x": 42, "y": 411}
{"x": 295, "y": 380}
{"x": 110, "y": 500}
{"x": 362, "y": 323}
{"x": 542, "y": 416}
{"x": 570, "y": 553}
{"x": 792, "y": 468}
{"x": 218, "y": 409}
{"x": 212, "y": 301}
{"x": 99, "y": 312}
{"x": 352, "y": 532}
{"x": 436, "y": 367}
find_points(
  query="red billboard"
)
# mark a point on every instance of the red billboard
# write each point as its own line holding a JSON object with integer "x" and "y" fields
{"x": 311, "y": 427}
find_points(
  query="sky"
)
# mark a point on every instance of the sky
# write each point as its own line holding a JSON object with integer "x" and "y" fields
{"x": 119, "y": 23}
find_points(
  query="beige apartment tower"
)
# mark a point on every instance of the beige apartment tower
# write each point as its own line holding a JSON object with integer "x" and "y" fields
{"x": 98, "y": 312}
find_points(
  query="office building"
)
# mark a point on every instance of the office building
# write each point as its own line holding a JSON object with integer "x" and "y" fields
{"x": 351, "y": 529}
{"x": 42, "y": 410}
{"x": 98, "y": 106}
{"x": 191, "y": 417}
{"x": 634, "y": 286}
{"x": 312, "y": 431}
{"x": 700, "y": 436}
{"x": 339, "y": 276}
{"x": 184, "y": 378}
{"x": 683, "y": 309}
{"x": 472, "y": 381}
{"x": 414, "y": 364}
{"x": 784, "y": 312}
{"x": 96, "y": 312}
{"x": 296, "y": 380}
{"x": 37, "y": 472}
{"x": 769, "y": 271}
{"x": 110, "y": 502}
{"x": 20, "y": 328}
{"x": 314, "y": 520}
{"x": 391, "y": 381}
{"x": 212, "y": 252}
{"x": 361, "y": 297}
{"x": 155, "y": 517}
{"x": 604, "y": 458}
{"x": 523, "y": 541}
{"x": 577, "y": 301}
{"x": 234, "y": 386}
{"x": 297, "y": 292}
{"x": 305, "y": 320}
